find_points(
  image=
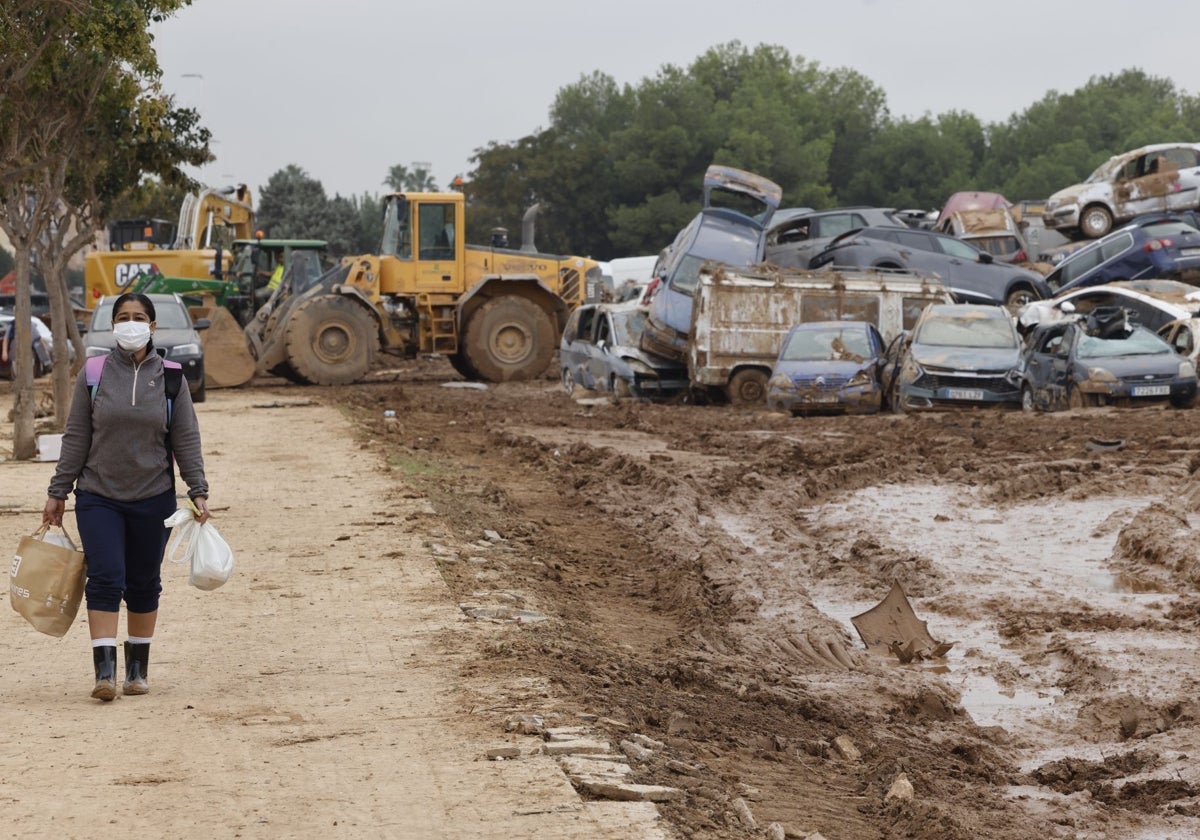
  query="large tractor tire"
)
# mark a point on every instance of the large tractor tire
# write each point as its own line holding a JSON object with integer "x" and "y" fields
{"x": 331, "y": 340}
{"x": 459, "y": 362}
{"x": 509, "y": 338}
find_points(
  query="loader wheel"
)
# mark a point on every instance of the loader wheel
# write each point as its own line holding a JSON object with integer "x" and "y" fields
{"x": 509, "y": 339}
{"x": 459, "y": 362}
{"x": 747, "y": 387}
{"x": 331, "y": 340}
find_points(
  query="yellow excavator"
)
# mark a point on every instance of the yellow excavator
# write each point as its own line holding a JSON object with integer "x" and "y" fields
{"x": 496, "y": 313}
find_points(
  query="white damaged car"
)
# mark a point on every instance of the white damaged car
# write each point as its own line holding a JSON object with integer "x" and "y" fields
{"x": 1152, "y": 179}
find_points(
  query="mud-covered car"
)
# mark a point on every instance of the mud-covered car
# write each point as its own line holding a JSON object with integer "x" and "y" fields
{"x": 969, "y": 274}
{"x": 1102, "y": 359}
{"x": 992, "y": 231}
{"x": 793, "y": 241}
{"x": 828, "y": 367}
{"x": 1151, "y": 303}
{"x": 1151, "y": 179}
{"x": 1184, "y": 336}
{"x": 1154, "y": 247}
{"x": 957, "y": 355}
{"x": 738, "y": 207}
{"x": 599, "y": 351}
{"x": 969, "y": 200}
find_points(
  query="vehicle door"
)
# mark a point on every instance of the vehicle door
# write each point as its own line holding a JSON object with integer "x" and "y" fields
{"x": 1046, "y": 365}
{"x": 1142, "y": 185}
{"x": 599, "y": 360}
{"x": 576, "y": 346}
{"x": 975, "y": 278}
{"x": 1119, "y": 260}
{"x": 437, "y": 239}
{"x": 1180, "y": 336}
{"x": 823, "y": 229}
{"x": 1183, "y": 192}
{"x": 1070, "y": 272}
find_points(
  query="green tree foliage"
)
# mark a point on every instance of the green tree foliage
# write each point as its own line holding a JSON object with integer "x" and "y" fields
{"x": 402, "y": 179}
{"x": 293, "y": 205}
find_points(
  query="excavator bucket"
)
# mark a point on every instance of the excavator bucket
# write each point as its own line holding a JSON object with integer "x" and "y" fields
{"x": 227, "y": 361}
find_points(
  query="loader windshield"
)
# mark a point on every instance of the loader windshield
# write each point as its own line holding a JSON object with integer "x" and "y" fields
{"x": 397, "y": 237}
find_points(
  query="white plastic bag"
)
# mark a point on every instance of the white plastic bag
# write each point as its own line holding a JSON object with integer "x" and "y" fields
{"x": 207, "y": 553}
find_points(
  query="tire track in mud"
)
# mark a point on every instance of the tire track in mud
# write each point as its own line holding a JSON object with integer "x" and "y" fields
{"x": 660, "y": 566}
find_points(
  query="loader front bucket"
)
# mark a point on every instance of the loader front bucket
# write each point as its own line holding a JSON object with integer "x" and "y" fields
{"x": 227, "y": 361}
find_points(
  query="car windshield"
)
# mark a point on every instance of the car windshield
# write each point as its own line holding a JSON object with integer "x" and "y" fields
{"x": 168, "y": 315}
{"x": 1104, "y": 171}
{"x": 1140, "y": 342}
{"x": 829, "y": 344}
{"x": 966, "y": 331}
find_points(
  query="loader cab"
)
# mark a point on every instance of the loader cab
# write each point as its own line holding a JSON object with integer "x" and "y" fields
{"x": 423, "y": 232}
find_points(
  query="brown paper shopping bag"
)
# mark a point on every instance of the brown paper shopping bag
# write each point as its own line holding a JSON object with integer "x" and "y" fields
{"x": 46, "y": 583}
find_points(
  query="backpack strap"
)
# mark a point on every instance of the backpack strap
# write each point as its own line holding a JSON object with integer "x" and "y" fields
{"x": 173, "y": 375}
{"x": 92, "y": 369}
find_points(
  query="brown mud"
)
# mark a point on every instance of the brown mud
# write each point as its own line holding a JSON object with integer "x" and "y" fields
{"x": 698, "y": 567}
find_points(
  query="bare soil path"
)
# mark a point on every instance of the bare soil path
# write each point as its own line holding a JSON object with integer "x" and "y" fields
{"x": 330, "y": 689}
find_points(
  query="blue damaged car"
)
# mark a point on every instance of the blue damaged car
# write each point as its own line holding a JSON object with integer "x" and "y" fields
{"x": 828, "y": 367}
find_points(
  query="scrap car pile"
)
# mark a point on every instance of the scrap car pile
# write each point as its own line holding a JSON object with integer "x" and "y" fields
{"x": 861, "y": 309}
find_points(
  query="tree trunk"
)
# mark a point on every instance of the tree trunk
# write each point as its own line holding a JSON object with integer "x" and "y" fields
{"x": 21, "y": 353}
{"x": 62, "y": 321}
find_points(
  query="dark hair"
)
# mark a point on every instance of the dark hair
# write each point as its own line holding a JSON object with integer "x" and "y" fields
{"x": 136, "y": 297}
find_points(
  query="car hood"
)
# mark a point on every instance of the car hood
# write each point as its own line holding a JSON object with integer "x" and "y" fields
{"x": 1123, "y": 366}
{"x": 965, "y": 358}
{"x": 1076, "y": 193}
{"x": 823, "y": 367}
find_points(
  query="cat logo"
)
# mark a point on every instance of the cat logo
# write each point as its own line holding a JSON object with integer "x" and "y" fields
{"x": 126, "y": 273}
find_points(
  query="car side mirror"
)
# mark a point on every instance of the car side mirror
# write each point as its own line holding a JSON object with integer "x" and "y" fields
{"x": 986, "y": 258}
{"x": 602, "y": 344}
{"x": 1067, "y": 306}
{"x": 202, "y": 323}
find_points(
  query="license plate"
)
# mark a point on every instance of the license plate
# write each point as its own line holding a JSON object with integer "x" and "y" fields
{"x": 964, "y": 394}
{"x": 1190, "y": 252}
{"x": 1152, "y": 390}
{"x": 821, "y": 398}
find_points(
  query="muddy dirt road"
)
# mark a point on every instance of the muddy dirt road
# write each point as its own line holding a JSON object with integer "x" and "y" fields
{"x": 689, "y": 573}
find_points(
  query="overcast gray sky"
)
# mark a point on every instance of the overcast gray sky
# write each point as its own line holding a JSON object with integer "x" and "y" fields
{"x": 347, "y": 88}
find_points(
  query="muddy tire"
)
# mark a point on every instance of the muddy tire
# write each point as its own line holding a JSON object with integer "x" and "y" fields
{"x": 747, "y": 387}
{"x": 509, "y": 339}
{"x": 618, "y": 387}
{"x": 460, "y": 364}
{"x": 568, "y": 382}
{"x": 1027, "y": 403}
{"x": 1076, "y": 400}
{"x": 331, "y": 340}
{"x": 1183, "y": 402}
{"x": 1020, "y": 295}
{"x": 1095, "y": 222}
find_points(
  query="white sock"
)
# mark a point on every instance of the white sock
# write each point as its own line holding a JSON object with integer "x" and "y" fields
{"x": 104, "y": 643}
{"x": 140, "y": 640}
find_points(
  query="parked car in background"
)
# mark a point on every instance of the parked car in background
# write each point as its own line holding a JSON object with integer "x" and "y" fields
{"x": 969, "y": 274}
{"x": 738, "y": 207}
{"x": 1155, "y": 247}
{"x": 42, "y": 346}
{"x": 599, "y": 351}
{"x": 793, "y": 242}
{"x": 957, "y": 356}
{"x": 828, "y": 367}
{"x": 1151, "y": 303}
{"x": 625, "y": 278}
{"x": 992, "y": 231}
{"x": 970, "y": 200}
{"x": 175, "y": 337}
{"x": 1102, "y": 359}
{"x": 1151, "y": 179}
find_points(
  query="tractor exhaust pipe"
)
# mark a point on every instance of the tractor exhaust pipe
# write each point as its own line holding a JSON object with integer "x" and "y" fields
{"x": 527, "y": 225}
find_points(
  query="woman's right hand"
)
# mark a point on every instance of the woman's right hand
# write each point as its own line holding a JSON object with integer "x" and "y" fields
{"x": 52, "y": 513}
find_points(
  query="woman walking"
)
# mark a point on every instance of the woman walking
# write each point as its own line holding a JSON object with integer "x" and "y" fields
{"x": 123, "y": 428}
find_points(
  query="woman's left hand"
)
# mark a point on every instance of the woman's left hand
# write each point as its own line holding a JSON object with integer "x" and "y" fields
{"x": 201, "y": 504}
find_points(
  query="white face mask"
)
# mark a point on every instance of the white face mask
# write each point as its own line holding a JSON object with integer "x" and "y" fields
{"x": 132, "y": 335}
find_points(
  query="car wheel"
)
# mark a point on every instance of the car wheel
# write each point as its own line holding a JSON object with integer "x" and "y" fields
{"x": 568, "y": 381}
{"x": 1075, "y": 399}
{"x": 618, "y": 387}
{"x": 1096, "y": 221}
{"x": 1184, "y": 401}
{"x": 747, "y": 387}
{"x": 1019, "y": 296}
{"x": 1027, "y": 398}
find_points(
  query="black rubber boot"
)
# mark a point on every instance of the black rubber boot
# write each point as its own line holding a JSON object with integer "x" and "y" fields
{"x": 137, "y": 668}
{"x": 105, "y": 660}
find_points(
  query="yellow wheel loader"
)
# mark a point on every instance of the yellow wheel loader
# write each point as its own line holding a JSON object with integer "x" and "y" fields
{"x": 496, "y": 313}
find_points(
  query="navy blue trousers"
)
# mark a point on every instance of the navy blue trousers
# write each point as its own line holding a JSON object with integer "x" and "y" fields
{"x": 124, "y": 544}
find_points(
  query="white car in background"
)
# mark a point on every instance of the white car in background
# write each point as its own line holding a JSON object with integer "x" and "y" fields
{"x": 1152, "y": 179}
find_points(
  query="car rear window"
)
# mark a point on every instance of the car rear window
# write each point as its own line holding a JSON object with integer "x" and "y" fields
{"x": 1168, "y": 229}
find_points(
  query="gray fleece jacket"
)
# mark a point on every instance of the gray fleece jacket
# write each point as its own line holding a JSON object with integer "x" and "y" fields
{"x": 116, "y": 445}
